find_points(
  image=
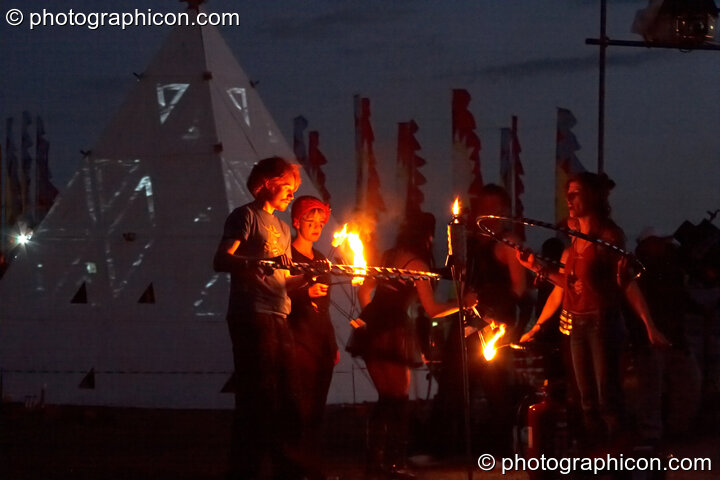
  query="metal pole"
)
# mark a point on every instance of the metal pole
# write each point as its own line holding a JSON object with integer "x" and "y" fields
{"x": 601, "y": 88}
{"x": 459, "y": 284}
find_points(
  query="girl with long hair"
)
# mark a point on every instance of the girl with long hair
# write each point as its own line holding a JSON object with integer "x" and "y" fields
{"x": 391, "y": 346}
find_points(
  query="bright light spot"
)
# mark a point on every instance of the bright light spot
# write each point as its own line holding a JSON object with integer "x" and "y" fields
{"x": 489, "y": 350}
{"x": 23, "y": 238}
{"x": 456, "y": 207}
{"x": 356, "y": 246}
{"x": 146, "y": 184}
{"x": 168, "y": 96}
{"x": 238, "y": 96}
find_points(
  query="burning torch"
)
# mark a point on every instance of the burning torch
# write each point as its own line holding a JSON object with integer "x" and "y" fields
{"x": 456, "y": 261}
{"x": 457, "y": 242}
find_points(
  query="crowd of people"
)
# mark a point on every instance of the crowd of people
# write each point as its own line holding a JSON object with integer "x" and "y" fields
{"x": 591, "y": 308}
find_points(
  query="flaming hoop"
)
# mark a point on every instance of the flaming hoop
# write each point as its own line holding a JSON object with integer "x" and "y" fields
{"x": 549, "y": 226}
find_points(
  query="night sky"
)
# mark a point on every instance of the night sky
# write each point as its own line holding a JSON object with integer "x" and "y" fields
{"x": 515, "y": 57}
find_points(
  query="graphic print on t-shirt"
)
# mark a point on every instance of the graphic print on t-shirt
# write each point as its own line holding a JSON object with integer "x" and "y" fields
{"x": 272, "y": 244}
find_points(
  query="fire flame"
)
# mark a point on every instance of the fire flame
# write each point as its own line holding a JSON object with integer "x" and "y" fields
{"x": 489, "y": 349}
{"x": 456, "y": 207}
{"x": 353, "y": 240}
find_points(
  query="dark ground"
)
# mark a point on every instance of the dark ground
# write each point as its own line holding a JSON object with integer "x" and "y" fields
{"x": 112, "y": 443}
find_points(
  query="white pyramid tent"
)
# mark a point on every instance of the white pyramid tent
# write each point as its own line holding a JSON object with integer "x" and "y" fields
{"x": 118, "y": 278}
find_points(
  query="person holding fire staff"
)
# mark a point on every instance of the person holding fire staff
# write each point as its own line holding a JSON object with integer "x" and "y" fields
{"x": 590, "y": 289}
{"x": 503, "y": 297}
{"x": 493, "y": 270}
{"x": 266, "y": 419}
{"x": 316, "y": 351}
{"x": 388, "y": 342}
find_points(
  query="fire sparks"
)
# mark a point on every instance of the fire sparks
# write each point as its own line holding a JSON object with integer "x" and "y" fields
{"x": 489, "y": 349}
{"x": 353, "y": 240}
{"x": 456, "y": 207}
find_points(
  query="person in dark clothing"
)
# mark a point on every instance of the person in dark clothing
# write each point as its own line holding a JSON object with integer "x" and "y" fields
{"x": 501, "y": 284}
{"x": 674, "y": 370}
{"x": 316, "y": 350}
{"x": 590, "y": 289}
{"x": 266, "y": 414}
{"x": 493, "y": 271}
{"x": 390, "y": 345}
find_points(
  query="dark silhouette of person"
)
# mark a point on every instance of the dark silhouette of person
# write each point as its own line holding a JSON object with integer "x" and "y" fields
{"x": 390, "y": 345}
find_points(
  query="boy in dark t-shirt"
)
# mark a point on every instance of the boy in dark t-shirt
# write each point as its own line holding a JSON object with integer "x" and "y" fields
{"x": 266, "y": 412}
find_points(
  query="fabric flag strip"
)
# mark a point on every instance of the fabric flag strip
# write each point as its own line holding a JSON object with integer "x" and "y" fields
{"x": 372, "y": 203}
{"x": 27, "y": 160}
{"x": 360, "y": 166}
{"x": 518, "y": 172}
{"x": 316, "y": 160}
{"x": 369, "y": 203}
{"x": 409, "y": 163}
{"x": 466, "y": 147}
{"x": 310, "y": 156}
{"x": 566, "y": 162}
{"x": 44, "y": 189}
{"x": 505, "y": 165}
{"x": 300, "y": 124}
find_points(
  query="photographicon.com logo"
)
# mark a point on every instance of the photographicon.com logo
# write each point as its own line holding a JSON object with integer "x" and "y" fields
{"x": 136, "y": 18}
{"x": 596, "y": 465}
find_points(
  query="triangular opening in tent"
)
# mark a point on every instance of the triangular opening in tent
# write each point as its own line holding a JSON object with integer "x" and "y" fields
{"x": 88, "y": 381}
{"x": 229, "y": 386}
{"x": 148, "y": 295}
{"x": 81, "y": 295}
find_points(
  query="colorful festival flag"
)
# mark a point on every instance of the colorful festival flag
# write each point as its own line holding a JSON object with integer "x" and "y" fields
{"x": 505, "y": 164}
{"x": 566, "y": 162}
{"x": 369, "y": 199}
{"x": 409, "y": 163}
{"x": 300, "y": 124}
{"x": 45, "y": 191}
{"x": 518, "y": 185}
{"x": 466, "y": 148}
{"x": 369, "y": 203}
{"x": 27, "y": 161}
{"x": 315, "y": 161}
{"x": 310, "y": 156}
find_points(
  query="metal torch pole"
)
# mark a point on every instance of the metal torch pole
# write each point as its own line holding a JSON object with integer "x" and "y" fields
{"x": 456, "y": 259}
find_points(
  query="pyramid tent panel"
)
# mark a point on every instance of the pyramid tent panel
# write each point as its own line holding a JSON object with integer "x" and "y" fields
{"x": 148, "y": 205}
{"x": 157, "y": 129}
